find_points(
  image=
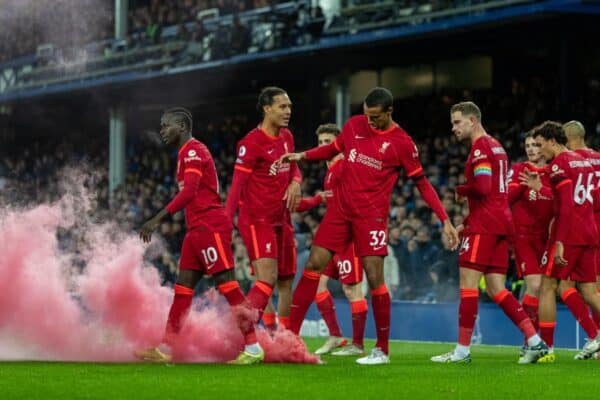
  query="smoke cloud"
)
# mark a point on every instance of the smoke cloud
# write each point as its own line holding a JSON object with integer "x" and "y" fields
{"x": 96, "y": 297}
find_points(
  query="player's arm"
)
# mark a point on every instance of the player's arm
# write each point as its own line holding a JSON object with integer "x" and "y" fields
{"x": 564, "y": 193}
{"x": 308, "y": 203}
{"x": 293, "y": 193}
{"x": 244, "y": 165}
{"x": 191, "y": 183}
{"x": 409, "y": 159}
{"x": 482, "y": 182}
{"x": 515, "y": 189}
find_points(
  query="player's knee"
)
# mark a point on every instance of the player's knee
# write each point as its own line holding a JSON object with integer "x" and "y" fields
{"x": 314, "y": 264}
{"x": 352, "y": 292}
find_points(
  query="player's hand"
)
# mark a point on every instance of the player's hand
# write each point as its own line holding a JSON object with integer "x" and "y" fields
{"x": 559, "y": 253}
{"x": 291, "y": 157}
{"x": 327, "y": 194}
{"x": 530, "y": 179}
{"x": 292, "y": 195}
{"x": 451, "y": 233}
{"x": 149, "y": 227}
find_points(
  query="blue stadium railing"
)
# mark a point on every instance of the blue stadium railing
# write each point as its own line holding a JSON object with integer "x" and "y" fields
{"x": 18, "y": 78}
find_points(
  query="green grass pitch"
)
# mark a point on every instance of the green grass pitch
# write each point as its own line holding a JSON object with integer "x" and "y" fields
{"x": 493, "y": 374}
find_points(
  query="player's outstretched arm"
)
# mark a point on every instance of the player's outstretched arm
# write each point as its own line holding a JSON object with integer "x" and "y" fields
{"x": 151, "y": 225}
{"x": 433, "y": 201}
{"x": 292, "y": 157}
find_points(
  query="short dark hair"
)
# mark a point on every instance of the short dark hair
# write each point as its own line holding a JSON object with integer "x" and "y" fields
{"x": 328, "y": 128}
{"x": 379, "y": 96}
{"x": 182, "y": 114}
{"x": 467, "y": 108}
{"x": 551, "y": 130}
{"x": 265, "y": 98}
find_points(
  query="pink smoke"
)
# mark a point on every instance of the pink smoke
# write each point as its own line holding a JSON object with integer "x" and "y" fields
{"x": 51, "y": 310}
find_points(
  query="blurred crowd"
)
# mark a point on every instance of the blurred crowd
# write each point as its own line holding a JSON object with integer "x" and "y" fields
{"x": 420, "y": 267}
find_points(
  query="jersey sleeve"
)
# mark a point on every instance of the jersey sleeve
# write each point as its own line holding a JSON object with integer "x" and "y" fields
{"x": 515, "y": 189}
{"x": 408, "y": 158}
{"x": 563, "y": 190}
{"x": 193, "y": 165}
{"x": 247, "y": 156}
{"x": 481, "y": 163}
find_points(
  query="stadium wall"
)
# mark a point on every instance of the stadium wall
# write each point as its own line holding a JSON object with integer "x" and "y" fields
{"x": 438, "y": 323}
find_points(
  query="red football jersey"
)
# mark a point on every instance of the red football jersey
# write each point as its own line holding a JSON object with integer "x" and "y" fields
{"x": 489, "y": 213}
{"x": 330, "y": 183}
{"x": 204, "y": 207}
{"x": 258, "y": 153}
{"x": 372, "y": 162}
{"x": 532, "y": 211}
{"x": 573, "y": 226}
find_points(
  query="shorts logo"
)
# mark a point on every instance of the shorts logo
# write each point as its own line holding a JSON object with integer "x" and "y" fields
{"x": 352, "y": 155}
{"x": 242, "y": 151}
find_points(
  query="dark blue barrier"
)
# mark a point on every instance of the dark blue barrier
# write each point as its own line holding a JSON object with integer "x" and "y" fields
{"x": 439, "y": 323}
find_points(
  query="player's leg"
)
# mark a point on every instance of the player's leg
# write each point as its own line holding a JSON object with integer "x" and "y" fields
{"x": 305, "y": 291}
{"x": 381, "y": 305}
{"x": 576, "y": 305}
{"x": 326, "y": 307}
{"x": 547, "y": 315}
{"x": 359, "y": 309}
{"x": 581, "y": 270}
{"x": 530, "y": 300}
{"x": 286, "y": 272}
{"x": 467, "y": 315}
{"x": 230, "y": 289}
{"x": 333, "y": 235}
{"x": 536, "y": 348}
{"x": 180, "y": 307}
{"x": 284, "y": 302}
{"x": 269, "y": 318}
{"x": 595, "y": 314}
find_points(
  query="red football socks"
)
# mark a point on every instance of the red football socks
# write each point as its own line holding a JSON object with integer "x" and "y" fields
{"x": 530, "y": 305}
{"x": 259, "y": 295}
{"x": 467, "y": 314}
{"x": 232, "y": 292}
{"x": 359, "y": 310}
{"x": 303, "y": 297}
{"x": 513, "y": 310}
{"x": 547, "y": 332}
{"x": 381, "y": 303}
{"x": 575, "y": 303}
{"x": 182, "y": 301}
{"x": 326, "y": 307}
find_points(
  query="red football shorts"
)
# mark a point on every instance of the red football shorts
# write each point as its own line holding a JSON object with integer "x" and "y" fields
{"x": 336, "y": 232}
{"x": 528, "y": 251}
{"x": 484, "y": 253}
{"x": 345, "y": 267}
{"x": 581, "y": 263}
{"x": 206, "y": 251}
{"x": 264, "y": 240}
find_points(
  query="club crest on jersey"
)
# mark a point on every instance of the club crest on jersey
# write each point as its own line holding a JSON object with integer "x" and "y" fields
{"x": 384, "y": 147}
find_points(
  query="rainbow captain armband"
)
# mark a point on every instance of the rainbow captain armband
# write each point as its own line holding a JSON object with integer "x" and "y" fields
{"x": 484, "y": 168}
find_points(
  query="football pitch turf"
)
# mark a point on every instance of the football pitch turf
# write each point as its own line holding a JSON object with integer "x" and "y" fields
{"x": 493, "y": 374}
